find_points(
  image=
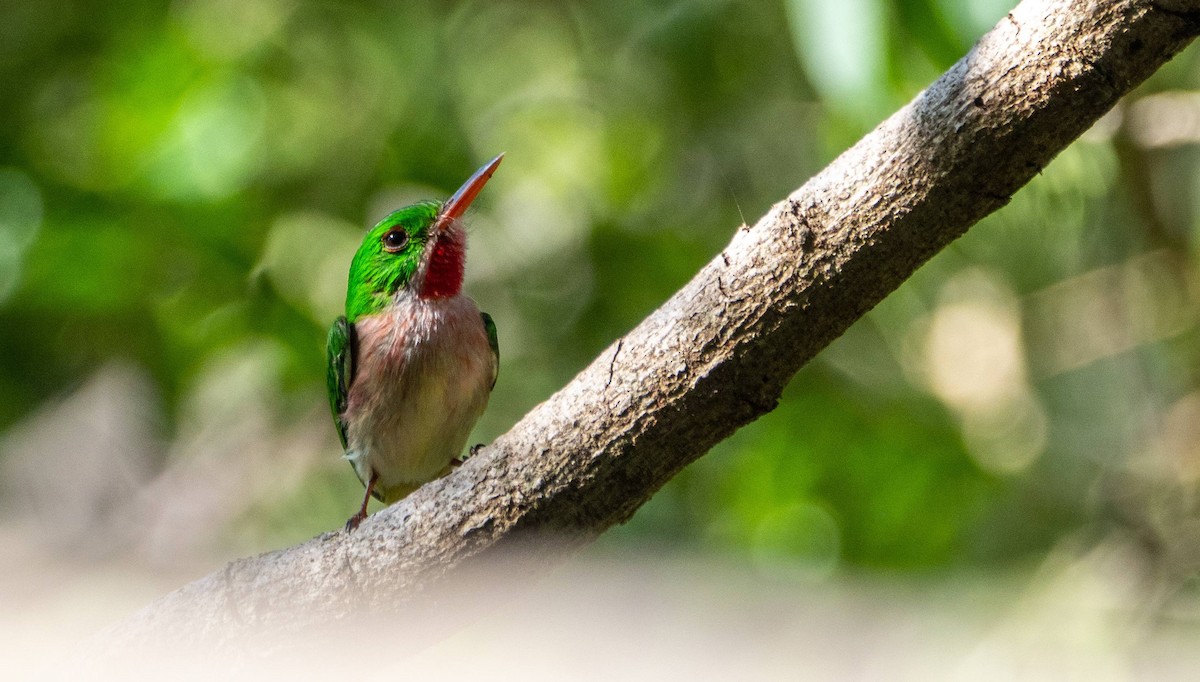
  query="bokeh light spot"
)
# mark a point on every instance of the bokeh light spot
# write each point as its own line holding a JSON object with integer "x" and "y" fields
{"x": 20, "y": 219}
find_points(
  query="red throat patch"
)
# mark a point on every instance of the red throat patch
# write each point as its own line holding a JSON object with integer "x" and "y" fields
{"x": 444, "y": 277}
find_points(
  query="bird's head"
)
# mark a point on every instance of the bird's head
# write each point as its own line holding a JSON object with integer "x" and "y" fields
{"x": 419, "y": 250}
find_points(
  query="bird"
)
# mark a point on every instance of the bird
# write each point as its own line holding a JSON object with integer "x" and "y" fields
{"x": 412, "y": 363}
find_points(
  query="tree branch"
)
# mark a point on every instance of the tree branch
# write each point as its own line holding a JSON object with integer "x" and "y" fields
{"x": 720, "y": 351}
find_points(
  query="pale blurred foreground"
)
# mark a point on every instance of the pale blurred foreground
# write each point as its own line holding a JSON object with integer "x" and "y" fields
{"x": 1081, "y": 614}
{"x": 120, "y": 534}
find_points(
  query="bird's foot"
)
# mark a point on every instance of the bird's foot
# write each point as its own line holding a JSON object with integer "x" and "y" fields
{"x": 362, "y": 511}
{"x": 471, "y": 452}
{"x": 353, "y": 522}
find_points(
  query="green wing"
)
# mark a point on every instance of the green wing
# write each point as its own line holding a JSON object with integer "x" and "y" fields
{"x": 339, "y": 352}
{"x": 494, "y": 341}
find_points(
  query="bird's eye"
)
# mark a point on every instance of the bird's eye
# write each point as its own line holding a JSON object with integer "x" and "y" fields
{"x": 395, "y": 240}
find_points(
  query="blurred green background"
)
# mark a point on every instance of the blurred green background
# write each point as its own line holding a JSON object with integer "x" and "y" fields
{"x": 182, "y": 185}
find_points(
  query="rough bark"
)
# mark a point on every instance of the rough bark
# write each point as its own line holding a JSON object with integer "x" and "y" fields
{"x": 719, "y": 352}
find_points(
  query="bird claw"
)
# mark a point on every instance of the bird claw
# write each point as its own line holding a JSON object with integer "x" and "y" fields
{"x": 353, "y": 522}
{"x": 471, "y": 452}
{"x": 362, "y": 511}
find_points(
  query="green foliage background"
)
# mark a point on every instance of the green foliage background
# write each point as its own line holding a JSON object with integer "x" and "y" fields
{"x": 181, "y": 186}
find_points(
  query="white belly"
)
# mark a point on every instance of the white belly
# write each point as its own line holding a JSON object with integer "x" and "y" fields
{"x": 423, "y": 374}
